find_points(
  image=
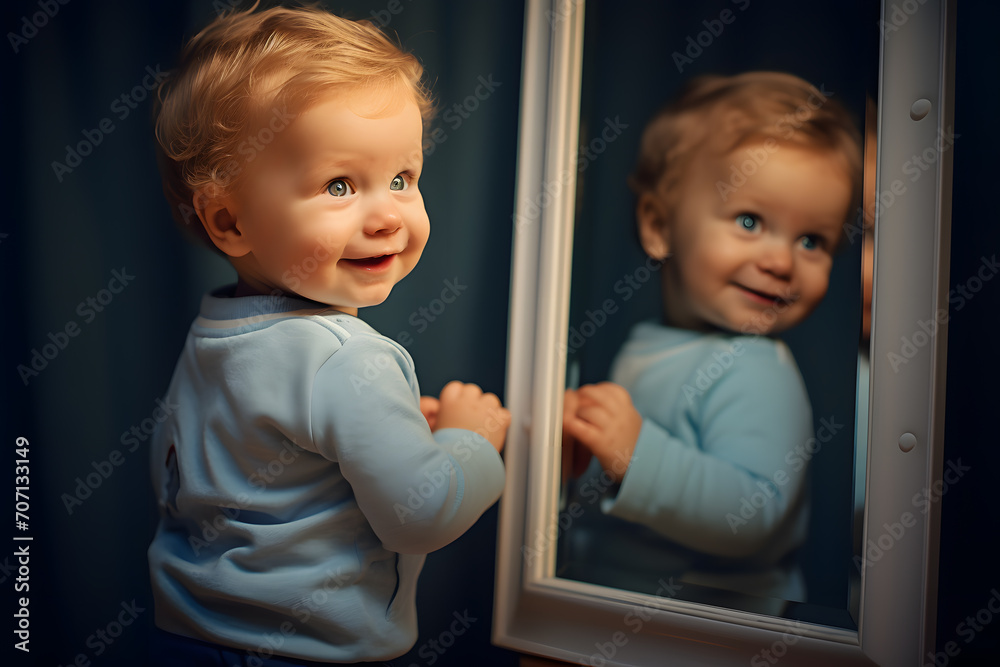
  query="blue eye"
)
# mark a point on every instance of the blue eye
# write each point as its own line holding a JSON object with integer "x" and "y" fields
{"x": 748, "y": 222}
{"x": 399, "y": 183}
{"x": 340, "y": 188}
{"x": 811, "y": 242}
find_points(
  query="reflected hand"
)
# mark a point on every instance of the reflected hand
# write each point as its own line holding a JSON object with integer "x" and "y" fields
{"x": 605, "y": 422}
{"x": 575, "y": 457}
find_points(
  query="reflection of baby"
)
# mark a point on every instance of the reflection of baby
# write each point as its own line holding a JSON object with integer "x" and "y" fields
{"x": 743, "y": 185}
{"x": 302, "y": 480}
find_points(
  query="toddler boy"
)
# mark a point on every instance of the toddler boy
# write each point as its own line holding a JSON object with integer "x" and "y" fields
{"x": 302, "y": 480}
{"x": 743, "y": 185}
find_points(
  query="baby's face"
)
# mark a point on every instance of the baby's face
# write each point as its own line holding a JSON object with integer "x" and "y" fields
{"x": 755, "y": 259}
{"x": 331, "y": 207}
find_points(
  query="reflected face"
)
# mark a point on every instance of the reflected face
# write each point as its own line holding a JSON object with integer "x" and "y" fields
{"x": 331, "y": 208}
{"x": 868, "y": 249}
{"x": 755, "y": 257}
{"x": 867, "y": 283}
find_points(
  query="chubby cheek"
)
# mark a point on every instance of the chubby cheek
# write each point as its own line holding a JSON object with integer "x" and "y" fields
{"x": 708, "y": 271}
{"x": 419, "y": 228}
{"x": 312, "y": 258}
{"x": 811, "y": 294}
{"x": 819, "y": 281}
{"x": 297, "y": 254}
{"x": 419, "y": 242}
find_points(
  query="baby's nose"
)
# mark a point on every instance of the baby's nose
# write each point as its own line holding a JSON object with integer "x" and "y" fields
{"x": 384, "y": 218}
{"x": 776, "y": 258}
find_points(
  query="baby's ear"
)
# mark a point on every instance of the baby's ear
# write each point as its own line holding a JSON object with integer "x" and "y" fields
{"x": 218, "y": 217}
{"x": 652, "y": 217}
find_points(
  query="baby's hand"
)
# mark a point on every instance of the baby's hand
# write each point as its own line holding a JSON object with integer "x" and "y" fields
{"x": 602, "y": 418}
{"x": 575, "y": 457}
{"x": 429, "y": 409}
{"x": 466, "y": 406}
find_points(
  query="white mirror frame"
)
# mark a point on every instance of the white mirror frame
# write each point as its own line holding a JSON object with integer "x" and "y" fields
{"x": 536, "y": 612}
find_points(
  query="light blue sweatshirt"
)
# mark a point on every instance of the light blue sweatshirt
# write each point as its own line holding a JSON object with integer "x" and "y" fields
{"x": 716, "y": 490}
{"x": 721, "y": 461}
{"x": 300, "y": 486}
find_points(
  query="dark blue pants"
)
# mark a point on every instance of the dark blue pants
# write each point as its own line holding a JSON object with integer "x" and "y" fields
{"x": 169, "y": 650}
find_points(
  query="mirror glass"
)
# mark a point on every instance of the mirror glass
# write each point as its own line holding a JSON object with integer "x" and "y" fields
{"x": 636, "y": 56}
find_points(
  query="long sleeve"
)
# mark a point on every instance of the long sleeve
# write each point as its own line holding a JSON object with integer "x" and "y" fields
{"x": 420, "y": 491}
{"x": 299, "y": 482}
{"x": 727, "y": 474}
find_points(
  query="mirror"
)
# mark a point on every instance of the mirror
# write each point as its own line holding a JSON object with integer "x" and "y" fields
{"x": 567, "y": 586}
{"x": 631, "y": 69}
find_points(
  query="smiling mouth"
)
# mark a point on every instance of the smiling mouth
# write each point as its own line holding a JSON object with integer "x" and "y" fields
{"x": 371, "y": 263}
{"x": 766, "y": 297}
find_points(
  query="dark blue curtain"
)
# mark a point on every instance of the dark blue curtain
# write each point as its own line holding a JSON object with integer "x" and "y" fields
{"x": 101, "y": 286}
{"x": 104, "y": 287}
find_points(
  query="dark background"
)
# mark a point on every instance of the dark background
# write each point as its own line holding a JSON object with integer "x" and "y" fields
{"x": 61, "y": 240}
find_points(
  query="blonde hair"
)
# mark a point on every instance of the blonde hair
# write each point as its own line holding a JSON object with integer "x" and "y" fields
{"x": 248, "y": 67}
{"x": 721, "y": 113}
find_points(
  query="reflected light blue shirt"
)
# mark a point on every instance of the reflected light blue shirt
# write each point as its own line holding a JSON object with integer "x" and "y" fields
{"x": 721, "y": 461}
{"x": 719, "y": 470}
